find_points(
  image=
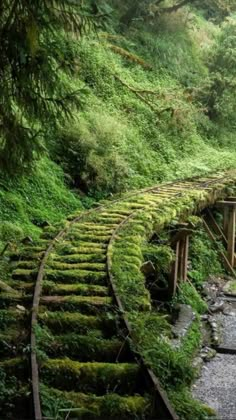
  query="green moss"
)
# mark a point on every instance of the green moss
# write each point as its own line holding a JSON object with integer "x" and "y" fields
{"x": 24, "y": 274}
{"x": 109, "y": 220}
{"x": 94, "y": 377}
{"x": 189, "y": 295}
{"x": 88, "y": 347}
{"x": 57, "y": 265}
{"x": 14, "y": 397}
{"x": 28, "y": 256}
{"x": 13, "y": 299}
{"x": 231, "y": 287}
{"x": 91, "y": 237}
{"x": 93, "y": 407}
{"x": 81, "y": 257}
{"x": 90, "y": 227}
{"x": 13, "y": 341}
{"x": 87, "y": 304}
{"x": 27, "y": 264}
{"x": 81, "y": 249}
{"x": 187, "y": 407}
{"x": 161, "y": 256}
{"x": 77, "y": 322}
{"x": 16, "y": 366}
{"x": 9, "y": 317}
{"x": 81, "y": 289}
{"x": 204, "y": 258}
{"x": 48, "y": 235}
{"x": 88, "y": 247}
{"x": 71, "y": 276}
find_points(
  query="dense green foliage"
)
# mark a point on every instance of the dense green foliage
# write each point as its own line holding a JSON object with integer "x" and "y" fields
{"x": 37, "y": 55}
{"x": 156, "y": 95}
{"x": 27, "y": 203}
{"x": 146, "y": 97}
{"x": 204, "y": 258}
{"x": 156, "y": 105}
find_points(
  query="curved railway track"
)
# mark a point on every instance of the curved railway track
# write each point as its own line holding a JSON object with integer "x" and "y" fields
{"x": 79, "y": 352}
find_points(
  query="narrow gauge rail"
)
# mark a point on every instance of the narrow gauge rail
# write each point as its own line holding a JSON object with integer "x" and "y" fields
{"x": 91, "y": 364}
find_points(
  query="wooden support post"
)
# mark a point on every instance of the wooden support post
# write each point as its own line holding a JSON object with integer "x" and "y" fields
{"x": 180, "y": 244}
{"x": 174, "y": 273}
{"x": 181, "y": 260}
{"x": 226, "y": 220}
{"x": 185, "y": 259}
{"x": 231, "y": 236}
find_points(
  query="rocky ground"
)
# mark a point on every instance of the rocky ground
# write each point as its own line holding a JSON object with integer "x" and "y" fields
{"x": 216, "y": 385}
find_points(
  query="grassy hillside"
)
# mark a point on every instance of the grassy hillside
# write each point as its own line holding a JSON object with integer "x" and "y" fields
{"x": 31, "y": 200}
{"x": 143, "y": 120}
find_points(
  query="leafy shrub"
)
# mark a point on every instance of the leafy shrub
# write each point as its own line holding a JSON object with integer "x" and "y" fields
{"x": 89, "y": 151}
{"x": 10, "y": 232}
{"x": 219, "y": 97}
{"x": 204, "y": 258}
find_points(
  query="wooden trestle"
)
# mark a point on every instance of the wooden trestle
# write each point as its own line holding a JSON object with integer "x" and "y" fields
{"x": 180, "y": 241}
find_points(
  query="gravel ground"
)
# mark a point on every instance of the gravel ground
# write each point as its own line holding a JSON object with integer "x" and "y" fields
{"x": 217, "y": 386}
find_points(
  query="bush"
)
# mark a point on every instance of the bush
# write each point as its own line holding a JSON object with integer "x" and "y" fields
{"x": 10, "y": 232}
{"x": 204, "y": 258}
{"x": 89, "y": 152}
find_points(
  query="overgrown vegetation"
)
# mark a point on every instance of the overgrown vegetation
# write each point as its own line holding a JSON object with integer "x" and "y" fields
{"x": 204, "y": 258}
{"x": 152, "y": 333}
{"x": 155, "y": 92}
{"x": 28, "y": 203}
{"x": 112, "y": 96}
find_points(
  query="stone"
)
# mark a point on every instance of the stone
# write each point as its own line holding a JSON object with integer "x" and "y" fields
{"x": 217, "y": 306}
{"x": 21, "y": 308}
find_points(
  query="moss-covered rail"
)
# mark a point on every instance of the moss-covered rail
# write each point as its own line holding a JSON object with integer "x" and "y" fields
{"x": 80, "y": 358}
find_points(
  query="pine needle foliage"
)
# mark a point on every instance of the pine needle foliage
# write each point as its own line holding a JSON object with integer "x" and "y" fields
{"x": 37, "y": 49}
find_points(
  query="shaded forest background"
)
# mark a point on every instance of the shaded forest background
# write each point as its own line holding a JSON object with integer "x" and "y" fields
{"x": 102, "y": 97}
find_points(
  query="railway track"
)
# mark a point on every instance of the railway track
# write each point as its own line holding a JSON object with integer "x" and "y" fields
{"x": 65, "y": 333}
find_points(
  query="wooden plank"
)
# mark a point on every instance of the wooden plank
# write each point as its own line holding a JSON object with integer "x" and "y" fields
{"x": 230, "y": 199}
{"x": 181, "y": 261}
{"x": 225, "y": 350}
{"x": 185, "y": 260}
{"x": 226, "y": 203}
{"x": 231, "y": 236}
{"x": 180, "y": 235}
{"x": 174, "y": 273}
{"x": 226, "y": 221}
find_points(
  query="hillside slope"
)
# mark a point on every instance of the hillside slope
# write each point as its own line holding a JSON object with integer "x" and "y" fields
{"x": 144, "y": 119}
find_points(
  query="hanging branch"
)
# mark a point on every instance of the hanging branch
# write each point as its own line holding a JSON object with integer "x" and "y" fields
{"x": 176, "y": 7}
{"x": 136, "y": 92}
{"x": 143, "y": 99}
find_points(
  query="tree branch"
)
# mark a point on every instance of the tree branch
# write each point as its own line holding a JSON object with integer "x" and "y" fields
{"x": 176, "y": 7}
